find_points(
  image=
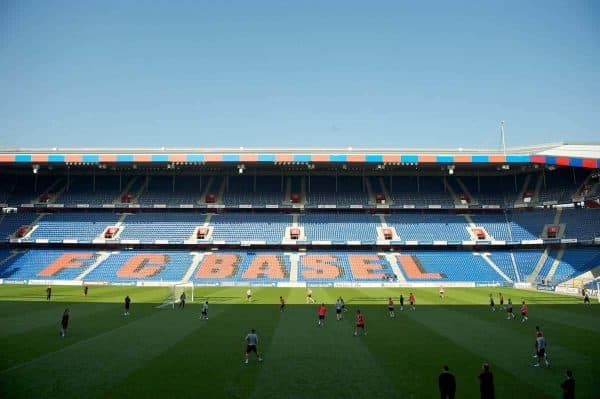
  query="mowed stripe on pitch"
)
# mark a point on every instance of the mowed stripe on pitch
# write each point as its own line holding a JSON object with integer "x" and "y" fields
{"x": 207, "y": 362}
{"x": 91, "y": 366}
{"x": 36, "y": 315}
{"x": 304, "y": 360}
{"x": 509, "y": 343}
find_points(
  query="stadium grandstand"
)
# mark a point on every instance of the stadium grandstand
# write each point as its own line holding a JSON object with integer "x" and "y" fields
{"x": 301, "y": 217}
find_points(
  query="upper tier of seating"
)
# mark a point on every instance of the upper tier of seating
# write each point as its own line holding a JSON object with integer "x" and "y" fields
{"x": 257, "y": 191}
{"x": 172, "y": 191}
{"x": 418, "y": 190}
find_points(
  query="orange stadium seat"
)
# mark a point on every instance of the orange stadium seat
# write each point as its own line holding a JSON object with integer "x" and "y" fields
{"x": 362, "y": 266}
{"x": 413, "y": 270}
{"x": 66, "y": 261}
{"x": 320, "y": 267}
{"x": 218, "y": 266}
{"x": 266, "y": 266}
{"x": 143, "y": 265}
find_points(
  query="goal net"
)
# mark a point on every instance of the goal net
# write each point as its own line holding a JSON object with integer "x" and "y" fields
{"x": 175, "y": 295}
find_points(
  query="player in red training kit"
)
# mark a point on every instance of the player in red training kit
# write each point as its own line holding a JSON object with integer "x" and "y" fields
{"x": 322, "y": 311}
{"x": 391, "y": 308}
{"x": 524, "y": 311}
{"x": 360, "y": 323}
{"x": 281, "y": 303}
{"x": 411, "y": 300}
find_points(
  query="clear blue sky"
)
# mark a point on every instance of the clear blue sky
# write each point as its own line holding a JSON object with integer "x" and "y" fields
{"x": 298, "y": 73}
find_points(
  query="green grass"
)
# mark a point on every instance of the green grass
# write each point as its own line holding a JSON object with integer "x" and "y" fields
{"x": 165, "y": 353}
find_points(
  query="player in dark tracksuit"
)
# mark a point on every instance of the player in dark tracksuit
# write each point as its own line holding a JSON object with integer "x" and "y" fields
{"x": 127, "y": 305}
{"x": 182, "y": 301}
{"x": 64, "y": 323}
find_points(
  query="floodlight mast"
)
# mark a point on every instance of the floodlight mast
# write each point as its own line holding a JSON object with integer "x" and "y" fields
{"x": 503, "y": 139}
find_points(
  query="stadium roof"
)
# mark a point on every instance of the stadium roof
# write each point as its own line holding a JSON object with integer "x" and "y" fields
{"x": 578, "y": 155}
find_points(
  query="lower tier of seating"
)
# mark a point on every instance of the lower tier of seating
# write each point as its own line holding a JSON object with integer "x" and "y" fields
{"x": 271, "y": 267}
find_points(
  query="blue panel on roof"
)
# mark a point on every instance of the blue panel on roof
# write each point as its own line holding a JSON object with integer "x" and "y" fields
{"x": 231, "y": 157}
{"x": 409, "y": 158}
{"x": 301, "y": 158}
{"x": 124, "y": 158}
{"x": 160, "y": 158}
{"x": 195, "y": 158}
{"x": 22, "y": 158}
{"x": 551, "y": 160}
{"x": 480, "y": 158}
{"x": 90, "y": 158}
{"x": 266, "y": 158}
{"x": 518, "y": 158}
{"x": 337, "y": 158}
{"x": 56, "y": 158}
{"x": 374, "y": 158}
{"x": 576, "y": 162}
{"x": 444, "y": 159}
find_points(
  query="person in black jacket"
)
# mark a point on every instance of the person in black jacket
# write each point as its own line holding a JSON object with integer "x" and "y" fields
{"x": 447, "y": 384}
{"x": 486, "y": 382}
{"x": 64, "y": 323}
{"x": 568, "y": 386}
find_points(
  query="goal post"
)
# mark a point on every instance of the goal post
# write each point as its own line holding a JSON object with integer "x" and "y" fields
{"x": 175, "y": 292}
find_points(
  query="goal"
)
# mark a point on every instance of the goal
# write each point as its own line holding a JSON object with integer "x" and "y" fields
{"x": 175, "y": 291}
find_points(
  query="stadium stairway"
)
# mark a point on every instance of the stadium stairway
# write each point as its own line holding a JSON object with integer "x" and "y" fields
{"x": 393, "y": 261}
{"x": 384, "y": 225}
{"x": 196, "y": 259}
{"x": 538, "y": 188}
{"x": 388, "y": 197}
{"x": 579, "y": 192}
{"x": 219, "y": 199}
{"x": 118, "y": 225}
{"x": 125, "y": 190}
{"x": 465, "y": 190}
{"x": 287, "y": 195}
{"x": 451, "y": 191}
{"x": 472, "y": 226}
{"x": 34, "y": 226}
{"x": 486, "y": 257}
{"x": 8, "y": 258}
{"x": 556, "y": 222}
{"x": 303, "y": 191}
{"x": 102, "y": 256}
{"x": 369, "y": 188}
{"x": 555, "y": 265}
{"x": 524, "y": 188}
{"x": 287, "y": 236}
{"x": 294, "y": 260}
{"x": 52, "y": 199}
{"x": 207, "y": 188}
{"x": 538, "y": 267}
{"x": 138, "y": 193}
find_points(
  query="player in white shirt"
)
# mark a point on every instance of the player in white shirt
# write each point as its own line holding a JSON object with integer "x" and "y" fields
{"x": 204, "y": 311}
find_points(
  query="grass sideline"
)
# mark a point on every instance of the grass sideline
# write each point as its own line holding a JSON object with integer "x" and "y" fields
{"x": 171, "y": 353}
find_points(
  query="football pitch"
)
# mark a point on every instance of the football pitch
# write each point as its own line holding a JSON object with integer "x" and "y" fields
{"x": 166, "y": 353}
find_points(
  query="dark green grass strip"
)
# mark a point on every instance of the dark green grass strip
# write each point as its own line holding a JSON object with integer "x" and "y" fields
{"x": 89, "y": 367}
